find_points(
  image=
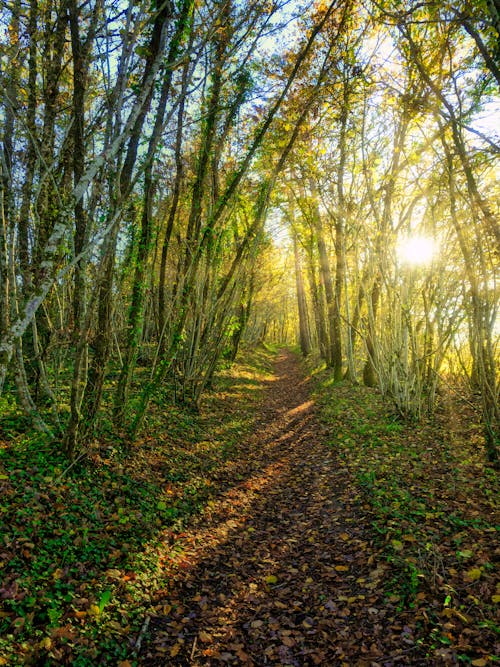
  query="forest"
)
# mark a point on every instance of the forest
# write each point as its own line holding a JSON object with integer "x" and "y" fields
{"x": 249, "y": 250}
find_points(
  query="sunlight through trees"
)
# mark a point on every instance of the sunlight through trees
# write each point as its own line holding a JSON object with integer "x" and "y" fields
{"x": 144, "y": 146}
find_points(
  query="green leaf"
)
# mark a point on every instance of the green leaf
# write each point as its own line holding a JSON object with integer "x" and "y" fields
{"x": 161, "y": 505}
{"x": 105, "y": 598}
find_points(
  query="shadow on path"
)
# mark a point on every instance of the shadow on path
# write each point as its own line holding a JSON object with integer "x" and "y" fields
{"x": 279, "y": 569}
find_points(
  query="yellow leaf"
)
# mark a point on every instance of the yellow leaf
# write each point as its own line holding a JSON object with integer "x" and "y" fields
{"x": 46, "y": 643}
{"x": 495, "y": 599}
{"x": 204, "y": 637}
{"x": 396, "y": 544}
{"x": 344, "y": 536}
{"x": 94, "y": 610}
{"x": 461, "y": 616}
{"x": 271, "y": 579}
{"x": 479, "y": 662}
{"x": 342, "y": 568}
{"x": 175, "y": 650}
{"x": 473, "y": 574}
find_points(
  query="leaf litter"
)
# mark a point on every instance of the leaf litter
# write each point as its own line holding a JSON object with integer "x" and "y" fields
{"x": 284, "y": 568}
{"x": 269, "y": 530}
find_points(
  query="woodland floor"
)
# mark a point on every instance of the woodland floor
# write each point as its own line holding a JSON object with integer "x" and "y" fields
{"x": 281, "y": 569}
{"x": 301, "y": 524}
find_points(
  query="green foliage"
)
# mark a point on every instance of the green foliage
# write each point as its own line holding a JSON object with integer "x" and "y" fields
{"x": 431, "y": 508}
{"x": 78, "y": 551}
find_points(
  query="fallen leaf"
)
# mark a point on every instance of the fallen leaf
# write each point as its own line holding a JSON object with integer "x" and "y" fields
{"x": 397, "y": 545}
{"x": 175, "y": 650}
{"x": 466, "y": 553}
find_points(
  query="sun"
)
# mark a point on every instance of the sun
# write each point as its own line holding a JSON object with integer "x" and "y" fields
{"x": 416, "y": 250}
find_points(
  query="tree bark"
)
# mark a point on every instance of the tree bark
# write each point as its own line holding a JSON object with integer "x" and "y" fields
{"x": 304, "y": 335}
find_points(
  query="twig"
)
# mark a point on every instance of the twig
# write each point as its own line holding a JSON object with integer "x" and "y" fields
{"x": 194, "y": 648}
{"x": 140, "y": 637}
{"x": 70, "y": 466}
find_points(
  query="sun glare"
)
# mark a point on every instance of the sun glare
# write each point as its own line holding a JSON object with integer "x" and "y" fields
{"x": 416, "y": 250}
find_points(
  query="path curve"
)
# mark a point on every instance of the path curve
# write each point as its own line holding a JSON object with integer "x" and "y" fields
{"x": 280, "y": 570}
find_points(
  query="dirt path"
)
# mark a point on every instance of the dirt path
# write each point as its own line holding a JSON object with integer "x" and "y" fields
{"x": 280, "y": 569}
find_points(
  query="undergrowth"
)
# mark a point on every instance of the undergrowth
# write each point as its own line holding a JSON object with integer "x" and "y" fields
{"x": 433, "y": 503}
{"x": 79, "y": 543}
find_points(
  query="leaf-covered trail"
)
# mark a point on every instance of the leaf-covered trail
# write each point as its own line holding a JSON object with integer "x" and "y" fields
{"x": 280, "y": 568}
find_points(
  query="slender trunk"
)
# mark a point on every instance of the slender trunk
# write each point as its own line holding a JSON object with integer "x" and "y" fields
{"x": 80, "y": 51}
{"x": 27, "y": 187}
{"x": 244, "y": 311}
{"x": 4, "y": 277}
{"x": 340, "y": 221}
{"x": 318, "y": 306}
{"x": 304, "y": 336}
{"x": 370, "y": 377}
{"x": 327, "y": 284}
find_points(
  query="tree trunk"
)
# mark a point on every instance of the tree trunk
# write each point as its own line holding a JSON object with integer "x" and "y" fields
{"x": 304, "y": 335}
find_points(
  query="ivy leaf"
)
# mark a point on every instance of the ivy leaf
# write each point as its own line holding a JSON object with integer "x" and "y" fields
{"x": 105, "y": 598}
